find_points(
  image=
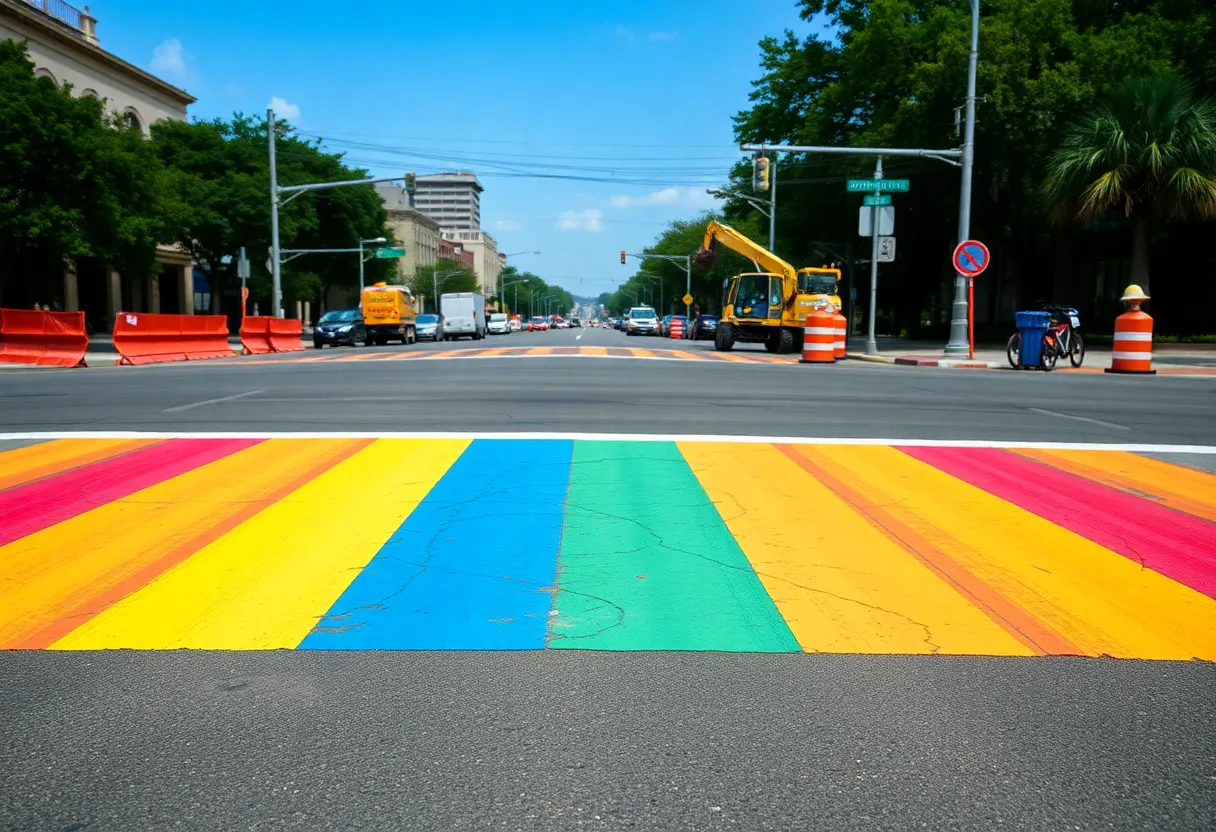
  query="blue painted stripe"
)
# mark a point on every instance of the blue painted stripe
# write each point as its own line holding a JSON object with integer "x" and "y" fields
{"x": 472, "y": 568}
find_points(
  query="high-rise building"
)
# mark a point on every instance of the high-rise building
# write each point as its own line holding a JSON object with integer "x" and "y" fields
{"x": 451, "y": 199}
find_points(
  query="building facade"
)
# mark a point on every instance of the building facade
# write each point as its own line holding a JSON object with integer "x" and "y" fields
{"x": 451, "y": 199}
{"x": 484, "y": 250}
{"x": 417, "y": 233}
{"x": 64, "y": 47}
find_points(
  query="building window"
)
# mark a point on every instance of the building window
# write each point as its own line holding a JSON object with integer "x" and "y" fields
{"x": 43, "y": 72}
{"x": 131, "y": 120}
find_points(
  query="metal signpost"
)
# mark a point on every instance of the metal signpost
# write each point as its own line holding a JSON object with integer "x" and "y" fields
{"x": 876, "y": 220}
{"x": 970, "y": 259}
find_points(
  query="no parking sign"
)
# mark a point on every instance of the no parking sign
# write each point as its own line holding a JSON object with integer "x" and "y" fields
{"x": 970, "y": 258}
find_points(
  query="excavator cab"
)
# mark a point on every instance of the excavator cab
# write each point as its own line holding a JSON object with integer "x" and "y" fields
{"x": 755, "y": 297}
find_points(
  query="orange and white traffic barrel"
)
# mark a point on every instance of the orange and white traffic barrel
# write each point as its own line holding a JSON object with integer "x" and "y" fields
{"x": 1133, "y": 348}
{"x": 819, "y": 339}
{"x": 676, "y": 328}
{"x": 841, "y": 324}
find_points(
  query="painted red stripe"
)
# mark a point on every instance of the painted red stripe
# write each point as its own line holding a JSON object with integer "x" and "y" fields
{"x": 39, "y": 505}
{"x": 1174, "y": 544}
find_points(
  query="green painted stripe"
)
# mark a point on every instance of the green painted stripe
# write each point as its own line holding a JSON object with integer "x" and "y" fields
{"x": 646, "y": 562}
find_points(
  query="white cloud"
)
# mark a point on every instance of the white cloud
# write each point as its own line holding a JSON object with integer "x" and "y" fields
{"x": 667, "y": 196}
{"x": 588, "y": 220}
{"x": 284, "y": 109}
{"x": 660, "y": 37}
{"x": 508, "y": 225}
{"x": 172, "y": 61}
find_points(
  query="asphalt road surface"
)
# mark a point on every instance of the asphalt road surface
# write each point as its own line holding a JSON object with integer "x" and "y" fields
{"x": 584, "y": 394}
{"x": 567, "y": 739}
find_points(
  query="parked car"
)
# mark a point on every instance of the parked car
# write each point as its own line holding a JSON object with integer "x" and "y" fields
{"x": 516, "y": 324}
{"x": 338, "y": 327}
{"x": 703, "y": 326}
{"x": 499, "y": 324}
{"x": 561, "y": 323}
{"x": 430, "y": 327}
{"x": 575, "y": 322}
{"x": 537, "y": 324}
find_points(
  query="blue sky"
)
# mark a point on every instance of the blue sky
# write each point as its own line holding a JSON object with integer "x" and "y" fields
{"x": 637, "y": 93}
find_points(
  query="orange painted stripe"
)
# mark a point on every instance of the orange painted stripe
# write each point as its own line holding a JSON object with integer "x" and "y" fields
{"x": 23, "y": 465}
{"x": 1026, "y": 629}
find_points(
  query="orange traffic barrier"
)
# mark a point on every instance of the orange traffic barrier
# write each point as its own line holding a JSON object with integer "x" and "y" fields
{"x": 819, "y": 339}
{"x": 286, "y": 334}
{"x": 1133, "y": 348}
{"x": 48, "y": 339}
{"x": 255, "y": 335}
{"x": 841, "y": 324}
{"x": 676, "y": 328}
{"x": 149, "y": 338}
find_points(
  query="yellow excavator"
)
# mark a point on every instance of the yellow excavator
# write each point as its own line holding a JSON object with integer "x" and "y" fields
{"x": 769, "y": 305}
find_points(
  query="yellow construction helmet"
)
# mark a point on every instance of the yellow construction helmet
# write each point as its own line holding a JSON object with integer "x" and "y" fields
{"x": 1133, "y": 293}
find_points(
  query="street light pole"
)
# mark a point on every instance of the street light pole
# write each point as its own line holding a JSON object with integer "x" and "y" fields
{"x": 501, "y": 286}
{"x": 361, "y": 260}
{"x": 772, "y": 205}
{"x": 871, "y": 343}
{"x": 959, "y": 343}
{"x": 436, "y": 279}
{"x": 276, "y": 284}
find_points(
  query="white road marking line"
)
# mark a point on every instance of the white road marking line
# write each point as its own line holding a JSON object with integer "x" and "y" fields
{"x": 182, "y": 407}
{"x": 615, "y": 437}
{"x": 1078, "y": 418}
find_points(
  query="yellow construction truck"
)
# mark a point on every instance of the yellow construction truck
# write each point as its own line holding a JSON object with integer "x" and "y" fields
{"x": 770, "y": 305}
{"x": 388, "y": 314}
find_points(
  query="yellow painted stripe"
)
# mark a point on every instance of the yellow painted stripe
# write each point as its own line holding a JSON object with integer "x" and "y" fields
{"x": 726, "y": 356}
{"x": 265, "y": 584}
{"x": 641, "y": 353}
{"x": 540, "y": 351}
{"x": 1173, "y": 486}
{"x": 74, "y": 569}
{"x": 842, "y": 585}
{"x": 1096, "y": 599}
{"x": 22, "y": 465}
{"x": 685, "y": 354}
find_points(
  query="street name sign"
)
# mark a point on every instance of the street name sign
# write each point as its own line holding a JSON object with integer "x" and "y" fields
{"x": 876, "y": 185}
{"x": 971, "y": 258}
{"x": 389, "y": 253}
{"x": 878, "y": 200}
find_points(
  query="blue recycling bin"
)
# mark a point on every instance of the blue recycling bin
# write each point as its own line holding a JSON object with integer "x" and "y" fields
{"x": 1032, "y": 326}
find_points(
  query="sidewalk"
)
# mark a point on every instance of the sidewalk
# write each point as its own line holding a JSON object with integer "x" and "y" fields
{"x": 1200, "y": 358}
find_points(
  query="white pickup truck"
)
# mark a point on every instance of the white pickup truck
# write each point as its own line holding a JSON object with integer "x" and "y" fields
{"x": 464, "y": 315}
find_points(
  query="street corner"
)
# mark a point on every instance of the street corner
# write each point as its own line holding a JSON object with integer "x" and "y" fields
{"x": 485, "y": 542}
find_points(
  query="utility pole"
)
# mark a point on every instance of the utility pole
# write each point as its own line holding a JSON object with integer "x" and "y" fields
{"x": 276, "y": 302}
{"x": 871, "y": 343}
{"x": 959, "y": 343}
{"x": 772, "y": 205}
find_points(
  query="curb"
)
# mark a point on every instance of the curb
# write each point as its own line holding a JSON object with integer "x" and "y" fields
{"x": 941, "y": 363}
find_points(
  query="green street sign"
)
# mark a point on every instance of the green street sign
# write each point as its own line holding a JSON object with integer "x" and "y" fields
{"x": 389, "y": 253}
{"x": 879, "y": 200}
{"x": 876, "y": 185}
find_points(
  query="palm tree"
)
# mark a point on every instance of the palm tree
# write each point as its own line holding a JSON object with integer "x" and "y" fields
{"x": 1149, "y": 149}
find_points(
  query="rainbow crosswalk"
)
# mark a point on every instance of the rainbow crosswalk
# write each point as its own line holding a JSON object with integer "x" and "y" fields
{"x": 346, "y": 542}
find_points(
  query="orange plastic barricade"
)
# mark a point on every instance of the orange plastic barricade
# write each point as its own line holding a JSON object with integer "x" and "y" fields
{"x": 255, "y": 335}
{"x": 149, "y": 338}
{"x": 48, "y": 339}
{"x": 1133, "y": 349}
{"x": 285, "y": 335}
{"x": 676, "y": 329}
{"x": 841, "y": 324}
{"x": 818, "y": 339}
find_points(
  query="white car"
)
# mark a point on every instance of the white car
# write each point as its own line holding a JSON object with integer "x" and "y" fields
{"x": 516, "y": 325}
{"x": 499, "y": 324}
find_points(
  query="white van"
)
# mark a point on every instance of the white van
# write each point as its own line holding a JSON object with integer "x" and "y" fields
{"x": 464, "y": 315}
{"x": 499, "y": 324}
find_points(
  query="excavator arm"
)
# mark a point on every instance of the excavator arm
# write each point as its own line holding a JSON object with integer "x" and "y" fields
{"x": 717, "y": 234}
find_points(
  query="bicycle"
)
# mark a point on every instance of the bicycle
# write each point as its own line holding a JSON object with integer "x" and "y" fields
{"x": 1060, "y": 340}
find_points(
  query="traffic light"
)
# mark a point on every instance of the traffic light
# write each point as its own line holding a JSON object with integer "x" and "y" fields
{"x": 411, "y": 183}
{"x": 622, "y": 257}
{"x": 760, "y": 173}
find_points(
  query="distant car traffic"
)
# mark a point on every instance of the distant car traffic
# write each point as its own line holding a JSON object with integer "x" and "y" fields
{"x": 499, "y": 324}
{"x": 703, "y": 326}
{"x": 575, "y": 322}
{"x": 340, "y": 326}
{"x": 430, "y": 327}
{"x": 537, "y": 324}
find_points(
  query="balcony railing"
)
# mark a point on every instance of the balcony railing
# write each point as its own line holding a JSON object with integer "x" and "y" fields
{"x": 64, "y": 13}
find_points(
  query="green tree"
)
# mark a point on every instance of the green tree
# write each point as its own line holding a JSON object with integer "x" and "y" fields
{"x": 458, "y": 278}
{"x": 74, "y": 183}
{"x": 1148, "y": 150}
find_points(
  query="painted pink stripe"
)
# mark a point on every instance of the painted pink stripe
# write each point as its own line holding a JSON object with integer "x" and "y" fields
{"x": 38, "y": 505}
{"x": 1174, "y": 544}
